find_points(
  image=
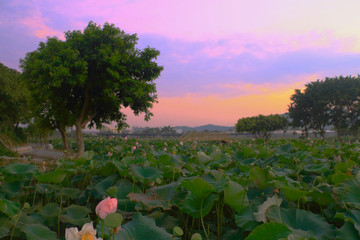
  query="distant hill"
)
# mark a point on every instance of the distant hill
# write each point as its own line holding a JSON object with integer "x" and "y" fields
{"x": 203, "y": 128}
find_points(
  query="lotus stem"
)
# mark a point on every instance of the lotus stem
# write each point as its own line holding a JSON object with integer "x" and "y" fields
{"x": 202, "y": 220}
{"x": 278, "y": 207}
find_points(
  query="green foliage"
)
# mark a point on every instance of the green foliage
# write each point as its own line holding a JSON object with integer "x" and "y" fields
{"x": 270, "y": 231}
{"x": 261, "y": 126}
{"x": 332, "y": 101}
{"x": 141, "y": 228}
{"x": 275, "y": 189}
{"x": 90, "y": 77}
{"x": 14, "y": 97}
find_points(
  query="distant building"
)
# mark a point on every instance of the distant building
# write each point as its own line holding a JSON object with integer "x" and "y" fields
{"x": 179, "y": 131}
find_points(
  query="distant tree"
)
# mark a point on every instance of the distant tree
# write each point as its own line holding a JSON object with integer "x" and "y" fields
{"x": 93, "y": 75}
{"x": 310, "y": 109}
{"x": 299, "y": 111}
{"x": 343, "y": 94}
{"x": 168, "y": 130}
{"x": 317, "y": 106}
{"x": 261, "y": 126}
{"x": 14, "y": 99}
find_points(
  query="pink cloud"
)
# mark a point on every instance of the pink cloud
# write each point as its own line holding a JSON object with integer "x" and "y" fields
{"x": 36, "y": 24}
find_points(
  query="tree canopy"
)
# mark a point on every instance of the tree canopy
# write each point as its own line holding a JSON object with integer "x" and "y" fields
{"x": 332, "y": 101}
{"x": 14, "y": 101}
{"x": 261, "y": 126}
{"x": 13, "y": 98}
{"x": 90, "y": 77}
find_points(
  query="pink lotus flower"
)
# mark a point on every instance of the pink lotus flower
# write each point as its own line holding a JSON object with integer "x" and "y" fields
{"x": 133, "y": 148}
{"x": 106, "y": 206}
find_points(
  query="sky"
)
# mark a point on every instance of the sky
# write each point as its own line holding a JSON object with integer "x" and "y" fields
{"x": 223, "y": 59}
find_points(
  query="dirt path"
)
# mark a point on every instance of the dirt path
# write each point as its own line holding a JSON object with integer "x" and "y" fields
{"x": 39, "y": 152}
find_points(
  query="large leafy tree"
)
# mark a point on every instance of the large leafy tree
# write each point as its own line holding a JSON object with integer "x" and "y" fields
{"x": 14, "y": 99}
{"x": 261, "y": 126}
{"x": 52, "y": 72}
{"x": 318, "y": 107}
{"x": 310, "y": 109}
{"x": 333, "y": 101}
{"x": 344, "y": 94}
{"x": 99, "y": 72}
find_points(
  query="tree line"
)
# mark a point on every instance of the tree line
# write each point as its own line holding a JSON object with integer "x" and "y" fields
{"x": 85, "y": 80}
{"x": 330, "y": 102}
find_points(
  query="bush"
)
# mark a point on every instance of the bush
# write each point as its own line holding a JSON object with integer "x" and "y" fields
{"x": 261, "y": 126}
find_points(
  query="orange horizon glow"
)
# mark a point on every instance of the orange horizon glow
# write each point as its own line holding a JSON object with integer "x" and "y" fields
{"x": 193, "y": 110}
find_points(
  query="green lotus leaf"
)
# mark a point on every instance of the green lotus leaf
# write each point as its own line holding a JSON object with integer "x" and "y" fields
{"x": 203, "y": 158}
{"x": 146, "y": 173}
{"x": 113, "y": 220}
{"x": 339, "y": 178}
{"x": 9, "y": 207}
{"x": 165, "y": 192}
{"x": 151, "y": 201}
{"x": 76, "y": 215}
{"x": 217, "y": 180}
{"x": 292, "y": 193}
{"x": 260, "y": 177}
{"x": 318, "y": 168}
{"x": 106, "y": 169}
{"x": 198, "y": 186}
{"x": 269, "y": 231}
{"x": 98, "y": 191}
{"x": 344, "y": 166}
{"x": 235, "y": 196}
{"x": 142, "y": 228}
{"x": 56, "y": 176}
{"x": 165, "y": 159}
{"x": 38, "y": 232}
{"x": 348, "y": 232}
{"x": 69, "y": 193}
{"x": 286, "y": 148}
{"x": 50, "y": 213}
{"x": 351, "y": 193}
{"x": 303, "y": 223}
{"x": 246, "y": 219}
{"x": 197, "y": 207}
{"x": 19, "y": 169}
{"x": 321, "y": 197}
{"x": 166, "y": 221}
{"x": 354, "y": 217}
{"x": 261, "y": 214}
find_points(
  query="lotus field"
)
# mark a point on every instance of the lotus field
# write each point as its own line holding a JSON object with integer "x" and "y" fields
{"x": 166, "y": 189}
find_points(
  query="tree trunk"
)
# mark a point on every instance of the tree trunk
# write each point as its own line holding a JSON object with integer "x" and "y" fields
{"x": 355, "y": 132}
{"x": 5, "y": 145}
{"x": 65, "y": 142}
{"x": 338, "y": 133}
{"x": 79, "y": 140}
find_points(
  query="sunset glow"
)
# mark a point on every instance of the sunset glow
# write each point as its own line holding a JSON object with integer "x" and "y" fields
{"x": 222, "y": 59}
